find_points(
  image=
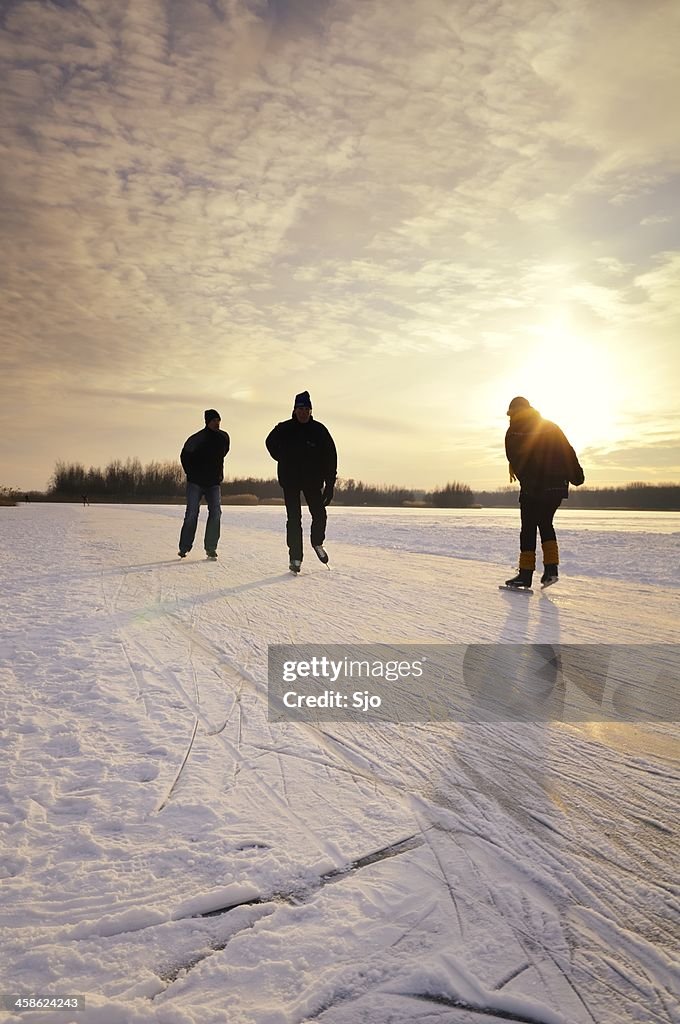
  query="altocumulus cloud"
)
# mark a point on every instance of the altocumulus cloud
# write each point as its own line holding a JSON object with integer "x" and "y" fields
{"x": 233, "y": 191}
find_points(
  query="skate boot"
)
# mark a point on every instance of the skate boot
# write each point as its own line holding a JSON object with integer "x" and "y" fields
{"x": 527, "y": 564}
{"x": 211, "y": 554}
{"x": 522, "y": 581}
{"x": 295, "y": 565}
{"x": 182, "y": 554}
{"x": 550, "y": 575}
{"x": 320, "y": 553}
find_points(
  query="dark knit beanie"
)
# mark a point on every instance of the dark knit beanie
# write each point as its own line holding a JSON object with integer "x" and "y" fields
{"x": 211, "y": 414}
{"x": 517, "y": 404}
{"x": 303, "y": 400}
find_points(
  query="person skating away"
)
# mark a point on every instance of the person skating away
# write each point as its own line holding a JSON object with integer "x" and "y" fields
{"x": 544, "y": 462}
{"x": 307, "y": 463}
{"x": 202, "y": 459}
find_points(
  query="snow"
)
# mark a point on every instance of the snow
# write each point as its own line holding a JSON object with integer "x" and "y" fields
{"x": 176, "y": 858}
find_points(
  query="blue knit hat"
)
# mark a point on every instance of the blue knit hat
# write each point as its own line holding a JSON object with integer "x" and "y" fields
{"x": 302, "y": 400}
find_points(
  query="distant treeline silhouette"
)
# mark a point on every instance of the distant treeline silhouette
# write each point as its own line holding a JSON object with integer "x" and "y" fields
{"x": 635, "y": 496}
{"x": 119, "y": 479}
{"x": 451, "y": 496}
{"x": 130, "y": 481}
{"x": 7, "y": 496}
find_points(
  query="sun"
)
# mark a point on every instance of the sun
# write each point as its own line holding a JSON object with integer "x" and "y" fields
{"x": 573, "y": 382}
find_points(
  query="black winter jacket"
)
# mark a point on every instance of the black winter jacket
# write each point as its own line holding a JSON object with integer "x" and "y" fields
{"x": 203, "y": 455}
{"x": 305, "y": 453}
{"x": 541, "y": 457}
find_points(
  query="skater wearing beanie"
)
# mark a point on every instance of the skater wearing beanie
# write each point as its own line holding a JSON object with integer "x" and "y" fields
{"x": 544, "y": 462}
{"x": 307, "y": 463}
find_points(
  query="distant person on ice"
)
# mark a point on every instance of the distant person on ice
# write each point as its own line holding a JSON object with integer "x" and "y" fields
{"x": 544, "y": 462}
{"x": 202, "y": 459}
{"x": 307, "y": 462}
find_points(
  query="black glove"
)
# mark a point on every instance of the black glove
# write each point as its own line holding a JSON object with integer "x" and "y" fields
{"x": 577, "y": 476}
{"x": 327, "y": 494}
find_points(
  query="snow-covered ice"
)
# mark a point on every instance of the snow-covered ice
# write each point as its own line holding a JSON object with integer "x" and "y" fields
{"x": 174, "y": 857}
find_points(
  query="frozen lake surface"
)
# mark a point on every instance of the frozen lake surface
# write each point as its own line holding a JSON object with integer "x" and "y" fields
{"x": 177, "y": 858}
{"x": 636, "y": 546}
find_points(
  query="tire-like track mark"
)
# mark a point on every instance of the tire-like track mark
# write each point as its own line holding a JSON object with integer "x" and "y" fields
{"x": 304, "y": 894}
{"x": 483, "y": 1011}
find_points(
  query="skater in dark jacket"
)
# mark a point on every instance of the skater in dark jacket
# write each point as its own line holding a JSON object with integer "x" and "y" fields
{"x": 544, "y": 462}
{"x": 202, "y": 459}
{"x": 307, "y": 462}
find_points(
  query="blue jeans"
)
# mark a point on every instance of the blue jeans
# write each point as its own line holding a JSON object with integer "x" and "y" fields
{"x": 212, "y": 530}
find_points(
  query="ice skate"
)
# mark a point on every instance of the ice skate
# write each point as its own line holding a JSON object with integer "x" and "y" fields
{"x": 522, "y": 581}
{"x": 321, "y": 553}
{"x": 550, "y": 575}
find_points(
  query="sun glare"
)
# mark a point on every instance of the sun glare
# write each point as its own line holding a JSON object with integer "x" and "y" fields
{"x": 573, "y": 383}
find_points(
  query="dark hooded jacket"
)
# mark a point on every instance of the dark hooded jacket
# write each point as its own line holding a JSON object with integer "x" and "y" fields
{"x": 541, "y": 457}
{"x": 305, "y": 453}
{"x": 203, "y": 456}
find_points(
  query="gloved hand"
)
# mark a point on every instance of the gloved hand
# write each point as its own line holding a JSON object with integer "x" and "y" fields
{"x": 327, "y": 494}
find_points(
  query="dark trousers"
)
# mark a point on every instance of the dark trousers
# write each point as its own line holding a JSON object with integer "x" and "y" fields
{"x": 212, "y": 528}
{"x": 317, "y": 510}
{"x": 537, "y": 514}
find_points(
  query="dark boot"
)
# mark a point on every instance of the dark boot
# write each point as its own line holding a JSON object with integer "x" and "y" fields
{"x": 522, "y": 579}
{"x": 550, "y": 574}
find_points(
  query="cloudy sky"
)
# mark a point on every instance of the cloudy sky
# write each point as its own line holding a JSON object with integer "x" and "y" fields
{"x": 415, "y": 209}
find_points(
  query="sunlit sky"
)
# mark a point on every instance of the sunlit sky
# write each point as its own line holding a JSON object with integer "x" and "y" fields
{"x": 414, "y": 209}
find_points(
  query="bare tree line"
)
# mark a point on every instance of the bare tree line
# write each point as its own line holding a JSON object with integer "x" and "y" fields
{"x": 159, "y": 481}
{"x": 130, "y": 479}
{"x": 637, "y": 496}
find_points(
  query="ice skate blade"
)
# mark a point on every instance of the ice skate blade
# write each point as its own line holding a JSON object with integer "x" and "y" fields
{"x": 516, "y": 590}
{"x": 550, "y": 583}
